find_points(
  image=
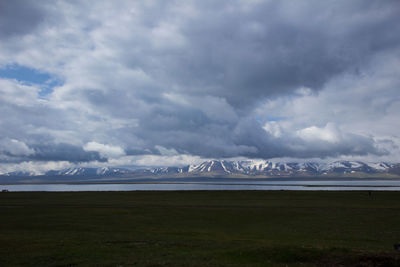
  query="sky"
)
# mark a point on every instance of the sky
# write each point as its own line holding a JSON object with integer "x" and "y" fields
{"x": 163, "y": 83}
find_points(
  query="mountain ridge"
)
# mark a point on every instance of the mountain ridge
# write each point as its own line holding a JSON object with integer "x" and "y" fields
{"x": 229, "y": 168}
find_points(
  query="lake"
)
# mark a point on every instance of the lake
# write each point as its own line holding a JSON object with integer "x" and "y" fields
{"x": 218, "y": 184}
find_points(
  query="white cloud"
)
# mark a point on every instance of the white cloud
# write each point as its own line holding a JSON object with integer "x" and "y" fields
{"x": 107, "y": 151}
{"x": 273, "y": 128}
{"x": 166, "y": 152}
{"x": 19, "y": 94}
{"x": 329, "y": 133}
{"x": 15, "y": 147}
{"x": 176, "y": 160}
{"x": 36, "y": 167}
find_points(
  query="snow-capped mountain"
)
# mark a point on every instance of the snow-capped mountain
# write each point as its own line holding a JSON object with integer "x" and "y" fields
{"x": 20, "y": 173}
{"x": 105, "y": 171}
{"x": 257, "y": 167}
{"x": 227, "y": 168}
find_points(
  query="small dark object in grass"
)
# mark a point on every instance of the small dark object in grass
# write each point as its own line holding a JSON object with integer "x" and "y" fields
{"x": 397, "y": 246}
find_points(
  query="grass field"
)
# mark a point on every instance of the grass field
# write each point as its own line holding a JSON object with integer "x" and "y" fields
{"x": 200, "y": 228}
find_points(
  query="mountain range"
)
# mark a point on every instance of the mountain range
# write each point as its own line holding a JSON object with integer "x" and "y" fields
{"x": 223, "y": 168}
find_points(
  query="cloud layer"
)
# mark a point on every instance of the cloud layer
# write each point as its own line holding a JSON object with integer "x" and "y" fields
{"x": 211, "y": 79}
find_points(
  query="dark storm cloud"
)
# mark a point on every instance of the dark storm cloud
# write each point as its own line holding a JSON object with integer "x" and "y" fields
{"x": 273, "y": 48}
{"x": 20, "y": 17}
{"x": 53, "y": 152}
{"x": 192, "y": 77}
{"x": 64, "y": 152}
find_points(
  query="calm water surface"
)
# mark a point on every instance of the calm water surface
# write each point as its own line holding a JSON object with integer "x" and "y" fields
{"x": 226, "y": 184}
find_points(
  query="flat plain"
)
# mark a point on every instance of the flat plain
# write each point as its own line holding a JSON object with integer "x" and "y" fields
{"x": 199, "y": 228}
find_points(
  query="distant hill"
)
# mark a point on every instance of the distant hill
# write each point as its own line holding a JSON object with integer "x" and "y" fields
{"x": 217, "y": 168}
{"x": 269, "y": 168}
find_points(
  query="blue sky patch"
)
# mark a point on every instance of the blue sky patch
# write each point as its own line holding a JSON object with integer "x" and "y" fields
{"x": 264, "y": 119}
{"x": 275, "y": 118}
{"x": 27, "y": 75}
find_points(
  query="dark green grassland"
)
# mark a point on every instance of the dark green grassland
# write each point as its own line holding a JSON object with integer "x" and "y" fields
{"x": 214, "y": 228}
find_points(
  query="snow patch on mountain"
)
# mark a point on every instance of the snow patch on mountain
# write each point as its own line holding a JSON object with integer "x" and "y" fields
{"x": 224, "y": 167}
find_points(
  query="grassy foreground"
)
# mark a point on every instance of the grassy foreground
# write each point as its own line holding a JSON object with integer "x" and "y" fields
{"x": 200, "y": 228}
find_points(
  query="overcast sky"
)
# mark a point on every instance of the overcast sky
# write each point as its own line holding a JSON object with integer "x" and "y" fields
{"x": 96, "y": 83}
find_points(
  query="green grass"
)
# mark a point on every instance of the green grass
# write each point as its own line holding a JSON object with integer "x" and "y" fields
{"x": 203, "y": 228}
